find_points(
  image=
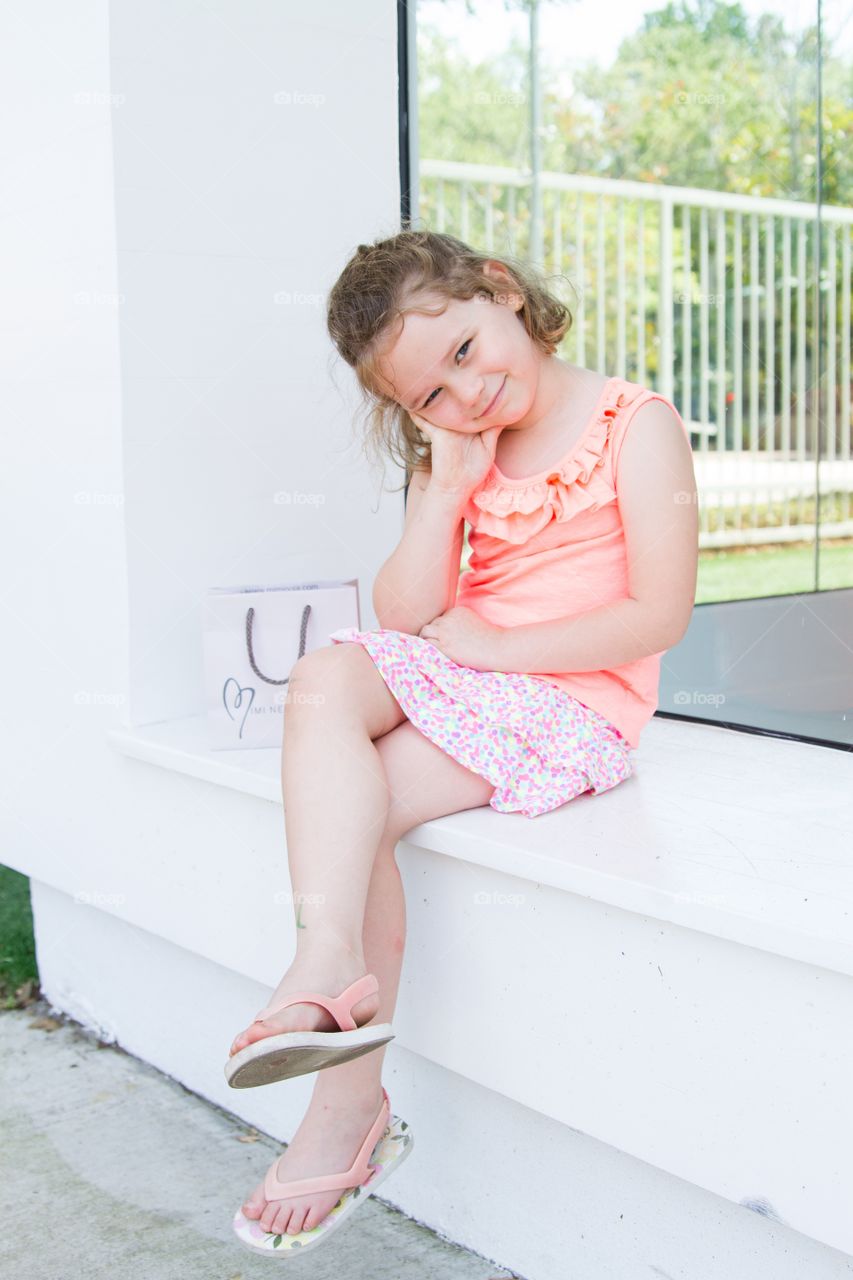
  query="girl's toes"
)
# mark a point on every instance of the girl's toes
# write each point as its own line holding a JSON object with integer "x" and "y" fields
{"x": 281, "y": 1220}
{"x": 269, "y": 1216}
{"x": 254, "y": 1206}
{"x": 296, "y": 1220}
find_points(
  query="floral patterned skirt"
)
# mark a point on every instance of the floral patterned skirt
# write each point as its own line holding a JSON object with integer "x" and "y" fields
{"x": 536, "y": 744}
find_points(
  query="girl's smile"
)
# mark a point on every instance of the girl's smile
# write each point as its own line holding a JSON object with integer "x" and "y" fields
{"x": 497, "y": 399}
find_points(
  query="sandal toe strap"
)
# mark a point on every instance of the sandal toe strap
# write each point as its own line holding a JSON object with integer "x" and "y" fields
{"x": 339, "y": 1007}
{"x": 355, "y": 1176}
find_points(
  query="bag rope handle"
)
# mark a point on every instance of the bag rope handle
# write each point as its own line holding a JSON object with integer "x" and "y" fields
{"x": 302, "y": 630}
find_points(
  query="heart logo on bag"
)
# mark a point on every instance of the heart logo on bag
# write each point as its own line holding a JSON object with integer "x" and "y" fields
{"x": 238, "y": 700}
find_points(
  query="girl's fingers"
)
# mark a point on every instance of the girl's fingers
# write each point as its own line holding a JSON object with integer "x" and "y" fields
{"x": 422, "y": 424}
{"x": 490, "y": 437}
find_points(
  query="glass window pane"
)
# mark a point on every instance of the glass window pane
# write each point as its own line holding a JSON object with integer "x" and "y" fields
{"x": 666, "y": 164}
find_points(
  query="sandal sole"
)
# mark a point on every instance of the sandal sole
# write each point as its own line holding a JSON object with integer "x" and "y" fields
{"x": 296, "y": 1053}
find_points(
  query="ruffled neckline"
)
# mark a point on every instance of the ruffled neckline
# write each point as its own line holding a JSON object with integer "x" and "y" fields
{"x": 509, "y": 482}
{"x": 515, "y": 510}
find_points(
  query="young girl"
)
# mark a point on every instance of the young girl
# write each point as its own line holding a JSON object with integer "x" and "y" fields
{"x": 520, "y": 685}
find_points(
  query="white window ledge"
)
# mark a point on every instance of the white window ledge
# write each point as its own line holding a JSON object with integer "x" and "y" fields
{"x": 736, "y": 835}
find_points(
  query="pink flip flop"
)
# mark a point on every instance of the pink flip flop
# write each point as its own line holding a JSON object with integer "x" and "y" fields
{"x": 295, "y": 1053}
{"x": 385, "y": 1147}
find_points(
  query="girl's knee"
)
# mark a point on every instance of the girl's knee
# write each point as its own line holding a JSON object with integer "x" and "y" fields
{"x": 321, "y": 667}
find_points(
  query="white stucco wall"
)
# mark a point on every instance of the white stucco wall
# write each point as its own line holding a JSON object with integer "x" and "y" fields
{"x": 186, "y": 183}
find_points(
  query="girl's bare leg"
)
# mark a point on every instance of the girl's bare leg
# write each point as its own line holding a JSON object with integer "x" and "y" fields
{"x": 335, "y": 810}
{"x": 423, "y": 783}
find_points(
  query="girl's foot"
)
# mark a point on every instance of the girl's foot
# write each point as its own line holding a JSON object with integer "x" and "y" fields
{"x": 327, "y": 1141}
{"x": 330, "y": 981}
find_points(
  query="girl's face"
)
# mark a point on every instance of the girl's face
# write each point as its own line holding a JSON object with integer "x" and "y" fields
{"x": 449, "y": 368}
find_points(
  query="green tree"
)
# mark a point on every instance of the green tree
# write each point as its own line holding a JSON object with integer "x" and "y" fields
{"x": 699, "y": 95}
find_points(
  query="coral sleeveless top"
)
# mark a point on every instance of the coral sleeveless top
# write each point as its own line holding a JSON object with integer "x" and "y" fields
{"x": 553, "y": 544}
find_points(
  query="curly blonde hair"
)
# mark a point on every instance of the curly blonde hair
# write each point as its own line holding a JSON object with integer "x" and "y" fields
{"x": 380, "y": 285}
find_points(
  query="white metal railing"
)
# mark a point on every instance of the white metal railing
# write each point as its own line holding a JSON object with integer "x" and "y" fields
{"x": 670, "y": 288}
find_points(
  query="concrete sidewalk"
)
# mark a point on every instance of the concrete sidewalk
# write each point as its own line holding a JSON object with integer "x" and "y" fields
{"x": 110, "y": 1169}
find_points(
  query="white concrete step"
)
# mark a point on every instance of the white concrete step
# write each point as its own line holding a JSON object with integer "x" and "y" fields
{"x": 661, "y": 973}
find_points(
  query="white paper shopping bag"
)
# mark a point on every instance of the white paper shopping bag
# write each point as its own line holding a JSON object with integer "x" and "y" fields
{"x": 252, "y": 636}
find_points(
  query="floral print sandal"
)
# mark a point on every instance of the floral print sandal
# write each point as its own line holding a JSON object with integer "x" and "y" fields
{"x": 385, "y": 1147}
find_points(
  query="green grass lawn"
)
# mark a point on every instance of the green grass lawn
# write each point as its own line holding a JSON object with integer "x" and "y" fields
{"x": 17, "y": 948}
{"x": 747, "y": 573}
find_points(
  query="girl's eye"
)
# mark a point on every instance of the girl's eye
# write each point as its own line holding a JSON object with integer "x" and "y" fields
{"x": 435, "y": 393}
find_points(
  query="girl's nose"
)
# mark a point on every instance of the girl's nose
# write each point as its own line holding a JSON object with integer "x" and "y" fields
{"x": 473, "y": 395}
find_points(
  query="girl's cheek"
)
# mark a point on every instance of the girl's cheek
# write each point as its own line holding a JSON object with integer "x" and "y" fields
{"x": 457, "y": 422}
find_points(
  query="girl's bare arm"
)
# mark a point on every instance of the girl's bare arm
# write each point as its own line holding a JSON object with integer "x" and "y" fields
{"x": 419, "y": 581}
